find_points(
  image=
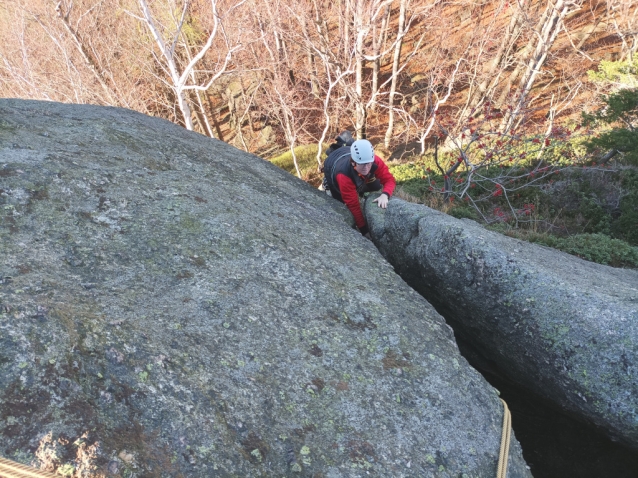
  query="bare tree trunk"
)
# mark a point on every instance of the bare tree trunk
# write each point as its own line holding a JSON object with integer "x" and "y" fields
{"x": 201, "y": 116}
{"x": 248, "y": 104}
{"x": 435, "y": 109}
{"x": 346, "y": 28}
{"x": 523, "y": 56}
{"x": 169, "y": 55}
{"x": 91, "y": 62}
{"x": 498, "y": 64}
{"x": 201, "y": 111}
{"x": 547, "y": 34}
{"x": 378, "y": 42}
{"x": 291, "y": 143}
{"x": 213, "y": 115}
{"x": 361, "y": 110}
{"x": 395, "y": 68}
{"x": 179, "y": 78}
{"x": 312, "y": 67}
{"x": 185, "y": 108}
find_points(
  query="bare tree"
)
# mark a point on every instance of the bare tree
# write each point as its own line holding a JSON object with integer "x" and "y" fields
{"x": 333, "y": 69}
{"x": 488, "y": 72}
{"x": 495, "y": 164}
{"x": 364, "y": 14}
{"x": 63, "y": 10}
{"x": 624, "y": 17}
{"x": 379, "y": 38}
{"x": 286, "y": 108}
{"x": 167, "y": 42}
{"x": 18, "y": 71}
{"x": 75, "y": 52}
{"x": 431, "y": 116}
{"x": 401, "y": 31}
{"x": 333, "y": 79}
{"x": 544, "y": 35}
{"x": 356, "y": 64}
{"x": 285, "y": 95}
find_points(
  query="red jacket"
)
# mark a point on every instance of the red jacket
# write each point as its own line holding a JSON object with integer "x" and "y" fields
{"x": 349, "y": 193}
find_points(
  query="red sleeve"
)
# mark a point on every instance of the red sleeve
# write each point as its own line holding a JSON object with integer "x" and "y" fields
{"x": 351, "y": 198}
{"x": 385, "y": 176}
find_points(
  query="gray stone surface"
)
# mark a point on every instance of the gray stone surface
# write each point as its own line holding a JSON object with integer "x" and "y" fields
{"x": 171, "y": 306}
{"x": 560, "y": 326}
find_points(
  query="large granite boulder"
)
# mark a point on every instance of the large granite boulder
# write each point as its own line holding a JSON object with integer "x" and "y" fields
{"x": 562, "y": 327}
{"x": 171, "y": 306}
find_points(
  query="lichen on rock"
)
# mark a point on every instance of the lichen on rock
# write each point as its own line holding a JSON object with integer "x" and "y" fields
{"x": 191, "y": 310}
{"x": 552, "y": 323}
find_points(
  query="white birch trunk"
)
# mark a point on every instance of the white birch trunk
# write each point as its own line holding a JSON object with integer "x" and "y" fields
{"x": 546, "y": 36}
{"x": 360, "y": 121}
{"x": 378, "y": 41}
{"x": 179, "y": 79}
{"x": 395, "y": 68}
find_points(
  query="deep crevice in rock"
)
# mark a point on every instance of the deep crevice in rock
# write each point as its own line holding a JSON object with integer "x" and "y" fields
{"x": 555, "y": 444}
{"x": 556, "y": 441}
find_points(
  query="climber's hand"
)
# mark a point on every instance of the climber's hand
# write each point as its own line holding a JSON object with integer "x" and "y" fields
{"x": 382, "y": 201}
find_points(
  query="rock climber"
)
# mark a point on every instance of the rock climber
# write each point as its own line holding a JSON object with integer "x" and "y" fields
{"x": 352, "y": 170}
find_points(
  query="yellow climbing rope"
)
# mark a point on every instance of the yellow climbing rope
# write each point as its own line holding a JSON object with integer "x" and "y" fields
{"x": 506, "y": 435}
{"x": 11, "y": 469}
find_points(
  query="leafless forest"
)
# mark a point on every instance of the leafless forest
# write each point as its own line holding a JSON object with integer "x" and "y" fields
{"x": 268, "y": 74}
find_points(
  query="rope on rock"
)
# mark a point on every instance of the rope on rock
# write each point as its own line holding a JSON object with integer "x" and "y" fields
{"x": 11, "y": 469}
{"x": 506, "y": 436}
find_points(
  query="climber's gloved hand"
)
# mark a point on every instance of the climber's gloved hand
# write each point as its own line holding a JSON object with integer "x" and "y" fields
{"x": 382, "y": 200}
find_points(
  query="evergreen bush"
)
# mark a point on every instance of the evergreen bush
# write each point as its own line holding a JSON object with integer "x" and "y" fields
{"x": 620, "y": 111}
{"x": 599, "y": 248}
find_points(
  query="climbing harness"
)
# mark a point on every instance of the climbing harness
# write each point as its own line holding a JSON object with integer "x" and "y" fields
{"x": 506, "y": 436}
{"x": 11, "y": 469}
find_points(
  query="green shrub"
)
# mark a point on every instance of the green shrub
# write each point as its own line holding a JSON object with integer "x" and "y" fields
{"x": 598, "y": 220}
{"x": 415, "y": 187}
{"x": 408, "y": 171}
{"x": 463, "y": 212}
{"x": 621, "y": 113}
{"x": 626, "y": 226}
{"x": 414, "y": 177}
{"x": 593, "y": 247}
{"x": 621, "y": 73}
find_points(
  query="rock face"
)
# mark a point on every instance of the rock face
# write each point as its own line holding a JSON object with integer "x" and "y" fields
{"x": 172, "y": 306}
{"x": 560, "y": 326}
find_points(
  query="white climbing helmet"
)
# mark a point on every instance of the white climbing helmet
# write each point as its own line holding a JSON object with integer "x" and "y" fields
{"x": 362, "y": 151}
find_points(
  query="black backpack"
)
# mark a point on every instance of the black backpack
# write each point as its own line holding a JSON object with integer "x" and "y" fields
{"x": 344, "y": 139}
{"x": 342, "y": 143}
